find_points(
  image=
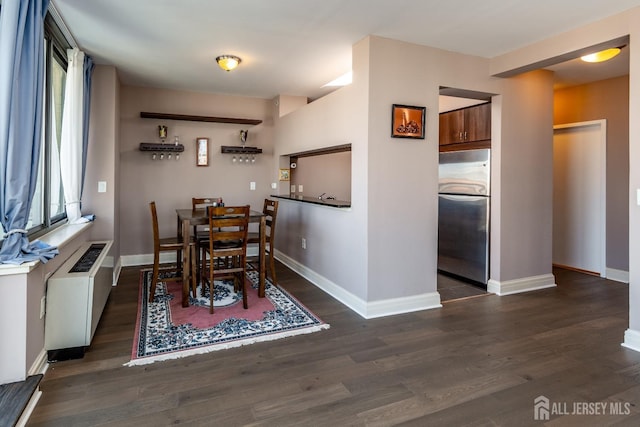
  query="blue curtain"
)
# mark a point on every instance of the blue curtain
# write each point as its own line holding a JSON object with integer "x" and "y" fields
{"x": 88, "y": 71}
{"x": 21, "y": 102}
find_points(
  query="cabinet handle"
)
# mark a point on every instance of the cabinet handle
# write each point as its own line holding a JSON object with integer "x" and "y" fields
{"x": 460, "y": 138}
{"x": 465, "y": 135}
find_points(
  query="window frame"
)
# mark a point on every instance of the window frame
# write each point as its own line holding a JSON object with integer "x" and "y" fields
{"x": 55, "y": 47}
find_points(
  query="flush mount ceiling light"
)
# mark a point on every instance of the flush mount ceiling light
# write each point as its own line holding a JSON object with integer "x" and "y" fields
{"x": 228, "y": 62}
{"x": 603, "y": 55}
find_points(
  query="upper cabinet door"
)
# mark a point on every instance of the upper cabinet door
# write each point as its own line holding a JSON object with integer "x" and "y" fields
{"x": 466, "y": 128}
{"x": 451, "y": 127}
{"x": 478, "y": 122}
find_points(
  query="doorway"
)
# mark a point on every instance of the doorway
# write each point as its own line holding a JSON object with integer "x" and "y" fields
{"x": 579, "y": 196}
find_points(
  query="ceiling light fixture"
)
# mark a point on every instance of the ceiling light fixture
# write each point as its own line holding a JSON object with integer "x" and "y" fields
{"x": 228, "y": 62}
{"x": 603, "y": 55}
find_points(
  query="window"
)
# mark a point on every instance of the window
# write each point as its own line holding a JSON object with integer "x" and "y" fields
{"x": 48, "y": 207}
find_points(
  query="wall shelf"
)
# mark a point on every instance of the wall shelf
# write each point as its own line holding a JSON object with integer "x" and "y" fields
{"x": 229, "y": 149}
{"x": 210, "y": 119}
{"x": 151, "y": 146}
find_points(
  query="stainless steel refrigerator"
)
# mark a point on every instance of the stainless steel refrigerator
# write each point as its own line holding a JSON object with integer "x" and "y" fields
{"x": 463, "y": 214}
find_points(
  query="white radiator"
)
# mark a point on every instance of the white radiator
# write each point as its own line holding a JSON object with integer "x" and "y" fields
{"x": 76, "y": 295}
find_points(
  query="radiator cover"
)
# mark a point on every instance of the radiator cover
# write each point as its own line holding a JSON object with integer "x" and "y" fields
{"x": 76, "y": 295}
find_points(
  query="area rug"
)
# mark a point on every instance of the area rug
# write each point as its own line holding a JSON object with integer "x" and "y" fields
{"x": 166, "y": 330}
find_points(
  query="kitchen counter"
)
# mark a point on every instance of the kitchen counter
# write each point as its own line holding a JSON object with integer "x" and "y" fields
{"x": 314, "y": 200}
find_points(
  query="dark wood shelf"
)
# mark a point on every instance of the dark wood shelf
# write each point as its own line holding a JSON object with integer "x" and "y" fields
{"x": 230, "y": 149}
{"x": 210, "y": 119}
{"x": 151, "y": 146}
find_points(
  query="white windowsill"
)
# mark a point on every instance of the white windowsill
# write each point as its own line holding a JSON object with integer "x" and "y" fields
{"x": 58, "y": 237}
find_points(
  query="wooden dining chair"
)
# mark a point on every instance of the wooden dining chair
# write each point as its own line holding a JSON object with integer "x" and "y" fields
{"x": 201, "y": 232}
{"x": 226, "y": 255}
{"x": 270, "y": 210}
{"x": 165, "y": 245}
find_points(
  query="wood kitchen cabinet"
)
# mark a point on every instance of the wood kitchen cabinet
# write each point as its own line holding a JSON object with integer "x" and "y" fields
{"x": 466, "y": 126}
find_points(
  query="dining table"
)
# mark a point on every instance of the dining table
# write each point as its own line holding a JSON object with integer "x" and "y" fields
{"x": 186, "y": 218}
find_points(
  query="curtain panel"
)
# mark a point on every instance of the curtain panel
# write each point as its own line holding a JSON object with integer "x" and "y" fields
{"x": 71, "y": 144}
{"x": 21, "y": 110}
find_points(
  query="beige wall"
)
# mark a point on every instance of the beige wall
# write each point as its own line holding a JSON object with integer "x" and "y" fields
{"x": 394, "y": 181}
{"x": 607, "y": 99}
{"x": 336, "y": 238}
{"x": 172, "y": 183}
{"x": 102, "y": 157}
{"x": 623, "y": 27}
{"x": 326, "y": 173}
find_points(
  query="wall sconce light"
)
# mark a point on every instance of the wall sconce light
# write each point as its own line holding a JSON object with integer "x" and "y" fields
{"x": 603, "y": 55}
{"x": 228, "y": 62}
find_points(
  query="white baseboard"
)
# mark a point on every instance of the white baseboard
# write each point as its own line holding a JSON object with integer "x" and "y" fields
{"x": 617, "y": 275}
{"x": 525, "y": 284}
{"x": 632, "y": 340}
{"x": 39, "y": 365}
{"x": 28, "y": 410}
{"x": 409, "y": 304}
{"x": 367, "y": 310}
{"x": 116, "y": 272}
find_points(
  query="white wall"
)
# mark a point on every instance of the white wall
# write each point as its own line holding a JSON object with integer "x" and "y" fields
{"x": 633, "y": 335}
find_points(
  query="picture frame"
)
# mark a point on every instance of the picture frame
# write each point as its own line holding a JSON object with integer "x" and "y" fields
{"x": 407, "y": 121}
{"x": 202, "y": 151}
{"x": 284, "y": 175}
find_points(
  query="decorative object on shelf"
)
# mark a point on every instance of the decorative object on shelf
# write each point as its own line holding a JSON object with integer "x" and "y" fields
{"x": 228, "y": 62}
{"x": 284, "y": 175}
{"x": 244, "y": 134}
{"x": 407, "y": 121}
{"x": 202, "y": 151}
{"x": 162, "y": 132}
{"x": 159, "y": 150}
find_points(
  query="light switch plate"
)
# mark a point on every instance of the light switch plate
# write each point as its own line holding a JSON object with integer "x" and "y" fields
{"x": 638, "y": 196}
{"x": 300, "y": 188}
{"x": 102, "y": 186}
{"x": 274, "y": 186}
{"x": 252, "y": 185}
{"x": 293, "y": 188}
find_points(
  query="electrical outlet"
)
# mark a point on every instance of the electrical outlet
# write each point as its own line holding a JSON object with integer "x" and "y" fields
{"x": 252, "y": 186}
{"x": 304, "y": 243}
{"x": 43, "y": 305}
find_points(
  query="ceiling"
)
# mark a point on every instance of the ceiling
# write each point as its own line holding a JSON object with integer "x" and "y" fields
{"x": 294, "y": 47}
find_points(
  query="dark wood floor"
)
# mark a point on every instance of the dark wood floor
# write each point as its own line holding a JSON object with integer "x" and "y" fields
{"x": 452, "y": 289}
{"x": 479, "y": 361}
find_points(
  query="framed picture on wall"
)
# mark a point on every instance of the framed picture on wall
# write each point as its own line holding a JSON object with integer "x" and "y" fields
{"x": 202, "y": 151}
{"x": 284, "y": 175}
{"x": 407, "y": 121}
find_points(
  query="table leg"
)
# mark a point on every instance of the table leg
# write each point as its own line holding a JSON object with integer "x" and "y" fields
{"x": 263, "y": 246}
{"x": 186, "y": 262}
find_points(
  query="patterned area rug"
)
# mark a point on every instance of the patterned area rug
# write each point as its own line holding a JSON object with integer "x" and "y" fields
{"x": 166, "y": 330}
